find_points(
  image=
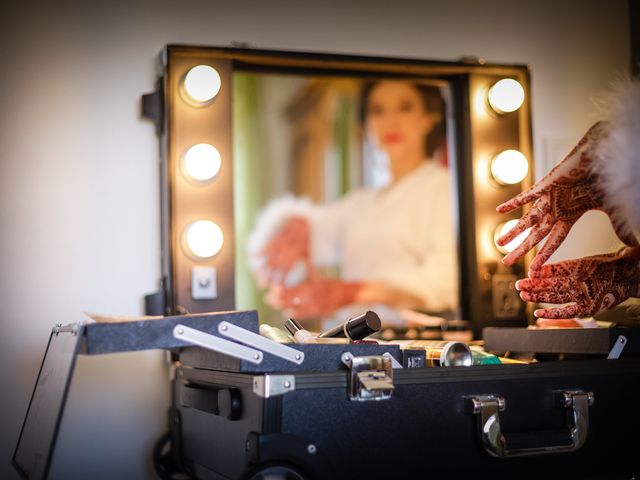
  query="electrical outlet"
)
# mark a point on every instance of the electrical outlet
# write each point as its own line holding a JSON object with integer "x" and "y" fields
{"x": 506, "y": 300}
{"x": 203, "y": 283}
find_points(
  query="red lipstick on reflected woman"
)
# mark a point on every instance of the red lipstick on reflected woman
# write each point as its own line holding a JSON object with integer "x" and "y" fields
{"x": 393, "y": 137}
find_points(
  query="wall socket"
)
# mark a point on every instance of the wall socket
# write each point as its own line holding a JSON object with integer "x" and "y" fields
{"x": 204, "y": 285}
{"x": 506, "y": 300}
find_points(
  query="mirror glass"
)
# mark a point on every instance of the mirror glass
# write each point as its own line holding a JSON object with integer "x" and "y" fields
{"x": 366, "y": 164}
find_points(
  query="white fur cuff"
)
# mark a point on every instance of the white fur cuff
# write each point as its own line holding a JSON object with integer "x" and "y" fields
{"x": 619, "y": 152}
{"x": 270, "y": 220}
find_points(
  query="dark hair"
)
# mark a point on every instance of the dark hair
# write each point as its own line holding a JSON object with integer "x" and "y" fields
{"x": 432, "y": 102}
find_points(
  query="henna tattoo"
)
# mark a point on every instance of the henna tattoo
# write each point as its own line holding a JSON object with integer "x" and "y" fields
{"x": 316, "y": 298}
{"x": 594, "y": 283}
{"x": 571, "y": 188}
{"x": 290, "y": 245}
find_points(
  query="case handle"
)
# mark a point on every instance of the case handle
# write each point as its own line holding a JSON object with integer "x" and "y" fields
{"x": 488, "y": 408}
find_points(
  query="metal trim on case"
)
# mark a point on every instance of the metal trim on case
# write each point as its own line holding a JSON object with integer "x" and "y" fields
{"x": 617, "y": 348}
{"x": 266, "y": 386}
{"x": 258, "y": 341}
{"x": 217, "y": 344}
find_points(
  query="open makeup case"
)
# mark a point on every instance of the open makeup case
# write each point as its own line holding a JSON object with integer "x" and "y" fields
{"x": 247, "y": 407}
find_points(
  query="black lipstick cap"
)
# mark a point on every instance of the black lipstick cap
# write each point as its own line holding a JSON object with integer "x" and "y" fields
{"x": 356, "y": 328}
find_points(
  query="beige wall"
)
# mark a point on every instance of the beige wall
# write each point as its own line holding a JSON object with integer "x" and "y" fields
{"x": 78, "y": 168}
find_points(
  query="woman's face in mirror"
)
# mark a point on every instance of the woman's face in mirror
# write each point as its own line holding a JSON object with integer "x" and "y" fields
{"x": 397, "y": 119}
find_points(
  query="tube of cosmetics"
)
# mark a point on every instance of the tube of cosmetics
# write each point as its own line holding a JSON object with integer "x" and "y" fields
{"x": 355, "y": 328}
{"x": 276, "y": 334}
{"x": 304, "y": 336}
{"x": 444, "y": 353}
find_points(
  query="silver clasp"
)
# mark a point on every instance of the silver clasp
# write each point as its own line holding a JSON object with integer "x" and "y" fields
{"x": 371, "y": 377}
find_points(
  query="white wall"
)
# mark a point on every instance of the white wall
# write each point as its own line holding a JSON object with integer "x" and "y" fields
{"x": 78, "y": 168}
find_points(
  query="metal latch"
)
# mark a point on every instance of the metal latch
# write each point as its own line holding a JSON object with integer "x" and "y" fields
{"x": 371, "y": 377}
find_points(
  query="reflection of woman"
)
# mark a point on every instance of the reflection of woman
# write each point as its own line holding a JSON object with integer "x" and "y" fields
{"x": 393, "y": 246}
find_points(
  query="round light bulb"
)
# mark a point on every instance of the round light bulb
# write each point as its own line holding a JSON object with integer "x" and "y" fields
{"x": 202, "y": 83}
{"x": 509, "y": 167}
{"x": 506, "y": 95}
{"x": 201, "y": 162}
{"x": 504, "y": 228}
{"x": 203, "y": 239}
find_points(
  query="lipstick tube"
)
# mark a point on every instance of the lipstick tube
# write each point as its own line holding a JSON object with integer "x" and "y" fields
{"x": 355, "y": 328}
{"x": 299, "y": 333}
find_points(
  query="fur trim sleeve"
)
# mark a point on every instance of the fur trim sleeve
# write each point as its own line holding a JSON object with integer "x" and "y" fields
{"x": 619, "y": 151}
{"x": 270, "y": 220}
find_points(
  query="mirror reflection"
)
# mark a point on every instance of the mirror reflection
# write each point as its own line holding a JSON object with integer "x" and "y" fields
{"x": 343, "y": 197}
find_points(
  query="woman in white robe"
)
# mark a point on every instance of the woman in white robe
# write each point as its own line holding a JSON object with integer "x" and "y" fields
{"x": 392, "y": 246}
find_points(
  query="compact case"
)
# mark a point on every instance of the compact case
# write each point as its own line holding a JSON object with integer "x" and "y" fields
{"x": 353, "y": 411}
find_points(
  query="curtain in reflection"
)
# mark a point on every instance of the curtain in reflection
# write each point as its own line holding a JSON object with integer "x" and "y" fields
{"x": 248, "y": 183}
{"x": 324, "y": 139}
{"x": 291, "y": 134}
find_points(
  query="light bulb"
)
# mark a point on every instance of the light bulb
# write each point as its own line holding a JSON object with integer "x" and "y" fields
{"x": 202, "y": 83}
{"x": 506, "y": 95}
{"x": 201, "y": 162}
{"x": 509, "y": 167}
{"x": 203, "y": 239}
{"x": 504, "y": 228}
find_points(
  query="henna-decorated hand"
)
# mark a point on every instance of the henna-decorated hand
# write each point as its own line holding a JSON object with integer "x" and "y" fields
{"x": 561, "y": 198}
{"x": 288, "y": 246}
{"x": 594, "y": 283}
{"x": 316, "y": 298}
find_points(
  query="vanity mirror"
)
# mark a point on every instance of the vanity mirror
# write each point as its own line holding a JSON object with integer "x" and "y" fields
{"x": 339, "y": 136}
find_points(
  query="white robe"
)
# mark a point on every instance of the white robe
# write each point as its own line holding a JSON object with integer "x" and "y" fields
{"x": 402, "y": 236}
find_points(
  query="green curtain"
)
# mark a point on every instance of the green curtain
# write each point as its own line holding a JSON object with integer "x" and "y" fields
{"x": 343, "y": 134}
{"x": 248, "y": 190}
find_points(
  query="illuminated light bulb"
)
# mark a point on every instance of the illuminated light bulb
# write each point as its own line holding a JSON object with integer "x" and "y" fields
{"x": 509, "y": 167}
{"x": 506, "y": 95}
{"x": 202, "y": 83}
{"x": 201, "y": 162}
{"x": 504, "y": 228}
{"x": 203, "y": 239}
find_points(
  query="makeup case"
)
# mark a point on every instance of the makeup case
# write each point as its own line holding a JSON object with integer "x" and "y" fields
{"x": 244, "y": 409}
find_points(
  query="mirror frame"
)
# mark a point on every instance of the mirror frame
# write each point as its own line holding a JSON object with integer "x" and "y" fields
{"x": 487, "y": 295}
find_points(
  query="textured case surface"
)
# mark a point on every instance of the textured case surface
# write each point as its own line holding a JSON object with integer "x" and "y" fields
{"x": 424, "y": 429}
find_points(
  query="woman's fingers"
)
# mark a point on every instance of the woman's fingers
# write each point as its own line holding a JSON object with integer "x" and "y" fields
{"x": 557, "y": 234}
{"x": 274, "y": 297}
{"x": 521, "y": 199}
{"x": 537, "y": 284}
{"x": 545, "y": 296}
{"x": 529, "y": 219}
{"x": 558, "y": 269}
{"x": 537, "y": 233}
{"x": 568, "y": 311}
